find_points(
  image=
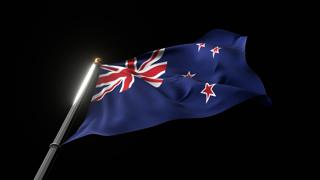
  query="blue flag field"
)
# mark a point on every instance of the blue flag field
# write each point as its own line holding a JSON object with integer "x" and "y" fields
{"x": 193, "y": 80}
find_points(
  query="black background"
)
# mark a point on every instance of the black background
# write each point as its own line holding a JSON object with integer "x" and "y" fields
{"x": 57, "y": 43}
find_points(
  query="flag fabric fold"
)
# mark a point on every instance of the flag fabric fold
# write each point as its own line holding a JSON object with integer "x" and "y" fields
{"x": 193, "y": 80}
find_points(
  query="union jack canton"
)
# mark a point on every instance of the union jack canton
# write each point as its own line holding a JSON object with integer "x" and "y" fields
{"x": 149, "y": 71}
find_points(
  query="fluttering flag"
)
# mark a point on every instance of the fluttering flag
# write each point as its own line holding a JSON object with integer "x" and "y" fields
{"x": 193, "y": 80}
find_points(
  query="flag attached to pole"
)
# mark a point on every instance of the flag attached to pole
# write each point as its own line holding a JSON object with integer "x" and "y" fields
{"x": 193, "y": 80}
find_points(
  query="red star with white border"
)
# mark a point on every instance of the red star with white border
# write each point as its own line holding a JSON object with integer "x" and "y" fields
{"x": 188, "y": 75}
{"x": 201, "y": 45}
{"x": 208, "y": 91}
{"x": 215, "y": 50}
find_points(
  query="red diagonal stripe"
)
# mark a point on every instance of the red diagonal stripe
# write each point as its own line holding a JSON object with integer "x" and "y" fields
{"x": 152, "y": 80}
{"x": 108, "y": 90}
{"x": 108, "y": 78}
{"x": 154, "y": 71}
{"x": 154, "y": 55}
{"x": 108, "y": 68}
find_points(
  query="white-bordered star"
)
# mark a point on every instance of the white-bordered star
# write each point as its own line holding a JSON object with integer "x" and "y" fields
{"x": 207, "y": 90}
{"x": 201, "y": 45}
{"x": 215, "y": 50}
{"x": 189, "y": 75}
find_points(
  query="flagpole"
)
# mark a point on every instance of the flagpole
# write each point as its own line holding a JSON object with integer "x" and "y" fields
{"x": 56, "y": 142}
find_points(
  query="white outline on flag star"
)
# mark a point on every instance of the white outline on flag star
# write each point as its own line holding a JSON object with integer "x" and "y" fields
{"x": 201, "y": 45}
{"x": 215, "y": 50}
{"x": 189, "y": 75}
{"x": 207, "y": 90}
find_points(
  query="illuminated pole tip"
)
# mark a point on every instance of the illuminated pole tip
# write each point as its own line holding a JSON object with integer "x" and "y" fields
{"x": 86, "y": 80}
{"x": 97, "y": 61}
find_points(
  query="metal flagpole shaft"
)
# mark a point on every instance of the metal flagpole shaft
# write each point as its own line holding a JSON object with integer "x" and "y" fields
{"x": 56, "y": 143}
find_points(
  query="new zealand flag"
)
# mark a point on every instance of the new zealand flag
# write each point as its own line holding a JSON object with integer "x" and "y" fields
{"x": 193, "y": 80}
